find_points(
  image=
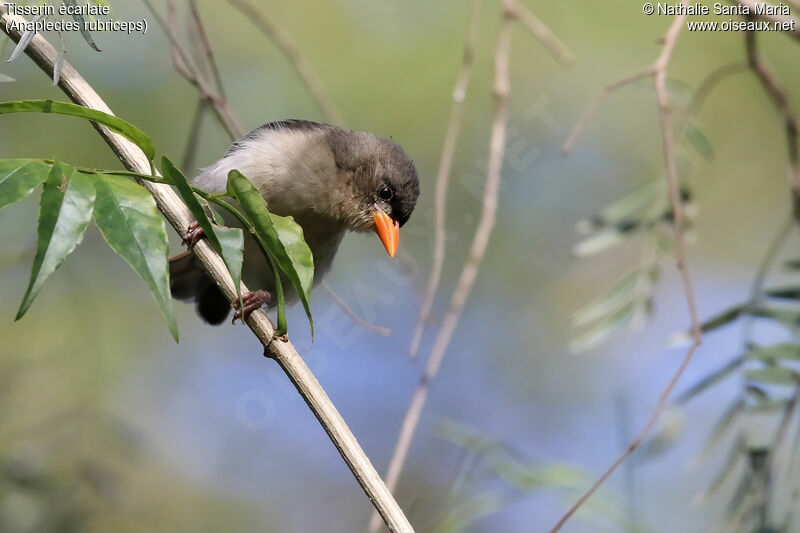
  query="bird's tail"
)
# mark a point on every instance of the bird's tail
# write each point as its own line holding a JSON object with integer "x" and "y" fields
{"x": 184, "y": 276}
{"x": 188, "y": 282}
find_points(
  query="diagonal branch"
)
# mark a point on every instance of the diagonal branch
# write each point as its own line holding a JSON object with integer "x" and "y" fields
{"x": 561, "y": 53}
{"x": 659, "y": 72}
{"x": 443, "y": 174}
{"x": 190, "y": 152}
{"x": 225, "y": 115}
{"x": 207, "y": 49}
{"x": 355, "y": 317}
{"x": 185, "y": 66}
{"x": 777, "y": 94}
{"x": 784, "y": 20}
{"x": 179, "y": 216}
{"x": 590, "y": 111}
{"x": 542, "y": 33}
{"x": 477, "y": 250}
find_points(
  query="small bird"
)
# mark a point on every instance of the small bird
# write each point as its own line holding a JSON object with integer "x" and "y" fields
{"x": 330, "y": 179}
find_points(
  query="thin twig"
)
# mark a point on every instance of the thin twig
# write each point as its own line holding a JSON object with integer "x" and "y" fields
{"x": 218, "y": 102}
{"x": 358, "y": 319}
{"x": 587, "y": 115}
{"x": 289, "y": 49}
{"x": 190, "y": 153}
{"x": 543, "y": 34}
{"x": 207, "y": 49}
{"x": 186, "y": 68}
{"x": 703, "y": 92}
{"x": 793, "y": 29}
{"x": 757, "y": 285}
{"x": 443, "y": 175}
{"x": 759, "y": 498}
{"x": 179, "y": 216}
{"x": 477, "y": 250}
{"x": 780, "y": 100}
{"x": 668, "y": 146}
{"x": 711, "y": 82}
{"x": 660, "y": 77}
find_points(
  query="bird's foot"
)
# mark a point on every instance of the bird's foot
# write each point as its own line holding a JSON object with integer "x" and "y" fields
{"x": 193, "y": 234}
{"x": 250, "y": 302}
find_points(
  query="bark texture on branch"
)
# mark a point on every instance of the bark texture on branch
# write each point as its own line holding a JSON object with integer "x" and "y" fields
{"x": 179, "y": 216}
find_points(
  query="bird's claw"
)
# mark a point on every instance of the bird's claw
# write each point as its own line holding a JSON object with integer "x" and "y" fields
{"x": 193, "y": 234}
{"x": 250, "y": 302}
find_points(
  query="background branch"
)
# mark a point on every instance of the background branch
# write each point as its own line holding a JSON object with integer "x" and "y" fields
{"x": 777, "y": 94}
{"x": 443, "y": 174}
{"x": 185, "y": 66}
{"x": 659, "y": 72}
{"x": 560, "y": 52}
{"x": 780, "y": 19}
{"x": 477, "y": 250}
{"x": 226, "y": 117}
{"x": 289, "y": 49}
{"x": 542, "y": 33}
{"x": 179, "y": 216}
{"x": 590, "y": 111}
{"x": 358, "y": 319}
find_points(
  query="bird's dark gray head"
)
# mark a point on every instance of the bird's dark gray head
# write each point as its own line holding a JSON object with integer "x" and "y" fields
{"x": 348, "y": 179}
{"x": 383, "y": 176}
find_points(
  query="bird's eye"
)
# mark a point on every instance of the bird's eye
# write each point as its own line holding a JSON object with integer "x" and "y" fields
{"x": 385, "y": 193}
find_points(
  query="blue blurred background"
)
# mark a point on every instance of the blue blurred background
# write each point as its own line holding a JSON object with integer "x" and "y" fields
{"x": 122, "y": 429}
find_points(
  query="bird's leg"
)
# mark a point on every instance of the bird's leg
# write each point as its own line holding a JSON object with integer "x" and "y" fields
{"x": 193, "y": 234}
{"x": 250, "y": 302}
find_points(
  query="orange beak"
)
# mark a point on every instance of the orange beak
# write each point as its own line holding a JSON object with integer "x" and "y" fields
{"x": 388, "y": 230}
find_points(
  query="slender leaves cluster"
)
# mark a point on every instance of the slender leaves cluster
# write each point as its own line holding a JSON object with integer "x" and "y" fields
{"x": 644, "y": 216}
{"x": 769, "y": 374}
{"x": 28, "y": 36}
{"x": 128, "y": 218}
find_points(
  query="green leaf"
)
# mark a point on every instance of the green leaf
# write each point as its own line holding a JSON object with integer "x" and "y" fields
{"x": 788, "y": 318}
{"x": 768, "y": 405}
{"x": 773, "y": 375}
{"x": 698, "y": 140}
{"x": 282, "y": 327}
{"x": 722, "y": 319}
{"x": 620, "y": 293}
{"x": 786, "y": 293}
{"x": 606, "y": 327}
{"x": 80, "y": 20}
{"x": 599, "y": 242}
{"x": 228, "y": 242}
{"x": 63, "y": 218}
{"x": 633, "y": 203}
{"x": 670, "y": 426}
{"x": 784, "y": 351}
{"x": 126, "y": 129}
{"x": 457, "y": 518}
{"x": 535, "y": 477}
{"x": 679, "y": 91}
{"x": 723, "y": 424}
{"x": 129, "y": 221}
{"x": 58, "y": 66}
{"x": 281, "y": 236}
{"x": 19, "y": 177}
{"x": 732, "y": 459}
{"x": 711, "y": 379}
{"x": 25, "y": 39}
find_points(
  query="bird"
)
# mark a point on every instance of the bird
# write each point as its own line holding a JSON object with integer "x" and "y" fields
{"x": 331, "y": 180}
